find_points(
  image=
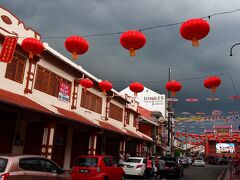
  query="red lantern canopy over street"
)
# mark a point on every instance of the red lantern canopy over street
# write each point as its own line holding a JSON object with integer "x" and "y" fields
{"x": 76, "y": 45}
{"x": 212, "y": 83}
{"x": 86, "y": 83}
{"x": 32, "y": 46}
{"x": 173, "y": 87}
{"x": 194, "y": 30}
{"x": 105, "y": 86}
{"x": 136, "y": 87}
{"x": 132, "y": 40}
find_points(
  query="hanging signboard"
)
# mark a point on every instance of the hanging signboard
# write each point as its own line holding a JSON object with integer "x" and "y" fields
{"x": 64, "y": 92}
{"x": 8, "y": 49}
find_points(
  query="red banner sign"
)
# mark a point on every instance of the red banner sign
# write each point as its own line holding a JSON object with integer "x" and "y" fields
{"x": 8, "y": 49}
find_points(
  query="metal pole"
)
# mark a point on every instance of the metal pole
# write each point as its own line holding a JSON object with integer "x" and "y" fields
{"x": 186, "y": 140}
{"x": 168, "y": 143}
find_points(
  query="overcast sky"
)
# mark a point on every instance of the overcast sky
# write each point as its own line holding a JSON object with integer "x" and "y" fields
{"x": 164, "y": 49}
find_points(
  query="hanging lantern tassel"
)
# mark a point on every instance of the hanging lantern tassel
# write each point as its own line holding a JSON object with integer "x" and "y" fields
{"x": 75, "y": 56}
{"x": 30, "y": 55}
{"x": 104, "y": 92}
{"x": 173, "y": 93}
{"x": 132, "y": 52}
{"x": 84, "y": 89}
{"x": 214, "y": 89}
{"x": 195, "y": 42}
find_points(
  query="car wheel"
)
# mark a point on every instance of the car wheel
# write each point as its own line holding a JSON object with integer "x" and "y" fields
{"x": 105, "y": 178}
{"x": 123, "y": 177}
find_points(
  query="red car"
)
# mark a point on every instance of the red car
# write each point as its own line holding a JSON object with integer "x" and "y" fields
{"x": 97, "y": 167}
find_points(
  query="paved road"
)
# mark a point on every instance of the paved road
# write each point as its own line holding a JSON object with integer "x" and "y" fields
{"x": 209, "y": 172}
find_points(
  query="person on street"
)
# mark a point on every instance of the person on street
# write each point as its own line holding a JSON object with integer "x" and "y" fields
{"x": 161, "y": 168}
{"x": 121, "y": 159}
{"x": 149, "y": 167}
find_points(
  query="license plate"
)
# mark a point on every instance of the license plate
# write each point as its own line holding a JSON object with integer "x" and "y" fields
{"x": 128, "y": 166}
{"x": 83, "y": 171}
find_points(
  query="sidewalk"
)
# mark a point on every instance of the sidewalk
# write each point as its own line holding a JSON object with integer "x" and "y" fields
{"x": 233, "y": 176}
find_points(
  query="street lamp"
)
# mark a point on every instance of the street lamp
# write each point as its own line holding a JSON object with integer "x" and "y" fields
{"x": 169, "y": 109}
{"x": 232, "y": 48}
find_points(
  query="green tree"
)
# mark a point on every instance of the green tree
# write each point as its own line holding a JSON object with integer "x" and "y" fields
{"x": 177, "y": 152}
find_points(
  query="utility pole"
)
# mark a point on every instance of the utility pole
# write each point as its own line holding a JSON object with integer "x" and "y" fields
{"x": 169, "y": 109}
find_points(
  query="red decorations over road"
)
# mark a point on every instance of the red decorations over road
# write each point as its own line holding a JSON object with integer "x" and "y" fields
{"x": 194, "y": 30}
{"x": 105, "y": 86}
{"x": 173, "y": 86}
{"x": 132, "y": 40}
{"x": 234, "y": 97}
{"x": 191, "y": 100}
{"x": 213, "y": 99}
{"x": 136, "y": 87}
{"x": 212, "y": 83}
{"x": 76, "y": 45}
{"x": 86, "y": 83}
{"x": 32, "y": 46}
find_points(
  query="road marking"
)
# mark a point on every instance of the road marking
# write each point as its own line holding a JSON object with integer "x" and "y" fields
{"x": 220, "y": 176}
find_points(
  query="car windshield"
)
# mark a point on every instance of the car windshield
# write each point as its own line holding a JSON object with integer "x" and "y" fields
{"x": 133, "y": 160}
{"x": 86, "y": 161}
{"x": 3, "y": 164}
{"x": 170, "y": 163}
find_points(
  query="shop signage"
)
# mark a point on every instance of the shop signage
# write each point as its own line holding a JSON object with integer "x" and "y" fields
{"x": 8, "y": 49}
{"x": 64, "y": 92}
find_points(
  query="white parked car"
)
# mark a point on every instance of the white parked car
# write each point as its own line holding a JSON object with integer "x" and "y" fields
{"x": 199, "y": 162}
{"x": 135, "y": 166}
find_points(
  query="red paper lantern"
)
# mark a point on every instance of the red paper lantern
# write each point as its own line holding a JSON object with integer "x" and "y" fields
{"x": 132, "y": 40}
{"x": 194, "y": 30}
{"x": 212, "y": 83}
{"x": 32, "y": 46}
{"x": 76, "y": 45}
{"x": 105, "y": 86}
{"x": 136, "y": 87}
{"x": 86, "y": 83}
{"x": 173, "y": 87}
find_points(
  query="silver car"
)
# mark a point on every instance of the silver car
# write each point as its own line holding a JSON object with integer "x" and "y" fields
{"x": 28, "y": 167}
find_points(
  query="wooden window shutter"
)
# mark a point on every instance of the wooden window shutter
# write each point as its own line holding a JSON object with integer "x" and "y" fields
{"x": 52, "y": 85}
{"x": 11, "y": 69}
{"x": 45, "y": 81}
{"x": 20, "y": 71}
{"x": 39, "y": 78}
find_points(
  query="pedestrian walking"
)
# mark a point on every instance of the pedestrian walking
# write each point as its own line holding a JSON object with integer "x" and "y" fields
{"x": 161, "y": 168}
{"x": 149, "y": 167}
{"x": 121, "y": 159}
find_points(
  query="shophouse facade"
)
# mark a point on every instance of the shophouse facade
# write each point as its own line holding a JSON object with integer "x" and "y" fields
{"x": 44, "y": 110}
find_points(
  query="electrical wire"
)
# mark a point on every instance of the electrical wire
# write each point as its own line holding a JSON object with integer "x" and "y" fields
{"x": 144, "y": 28}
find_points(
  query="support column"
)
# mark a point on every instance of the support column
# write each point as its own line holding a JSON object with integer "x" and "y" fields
{"x": 75, "y": 94}
{"x": 30, "y": 75}
{"x": 47, "y": 143}
{"x": 92, "y": 144}
{"x": 108, "y": 99}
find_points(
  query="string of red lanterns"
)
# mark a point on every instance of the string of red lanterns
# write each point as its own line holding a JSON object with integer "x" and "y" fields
{"x": 194, "y": 30}
{"x": 212, "y": 83}
{"x": 32, "y": 46}
{"x": 173, "y": 86}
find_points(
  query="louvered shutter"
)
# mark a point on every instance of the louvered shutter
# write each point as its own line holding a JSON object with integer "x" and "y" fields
{"x": 11, "y": 69}
{"x": 20, "y": 71}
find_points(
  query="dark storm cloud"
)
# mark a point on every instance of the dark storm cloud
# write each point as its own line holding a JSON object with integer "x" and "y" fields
{"x": 165, "y": 48}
